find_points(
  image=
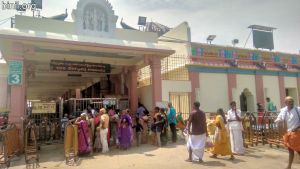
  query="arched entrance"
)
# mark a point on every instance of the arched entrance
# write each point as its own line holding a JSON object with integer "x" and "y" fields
{"x": 247, "y": 101}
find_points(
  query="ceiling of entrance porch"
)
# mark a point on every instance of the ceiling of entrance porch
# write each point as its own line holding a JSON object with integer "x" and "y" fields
{"x": 44, "y": 83}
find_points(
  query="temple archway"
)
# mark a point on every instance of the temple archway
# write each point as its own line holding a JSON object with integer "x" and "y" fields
{"x": 247, "y": 101}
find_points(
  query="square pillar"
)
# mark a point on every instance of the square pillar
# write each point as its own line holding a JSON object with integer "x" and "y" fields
{"x": 194, "y": 78}
{"x": 18, "y": 93}
{"x": 78, "y": 93}
{"x": 155, "y": 65}
{"x": 259, "y": 89}
{"x": 231, "y": 79}
{"x": 282, "y": 93}
{"x": 133, "y": 94}
{"x": 117, "y": 84}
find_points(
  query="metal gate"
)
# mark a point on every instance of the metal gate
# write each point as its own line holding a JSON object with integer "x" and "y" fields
{"x": 76, "y": 106}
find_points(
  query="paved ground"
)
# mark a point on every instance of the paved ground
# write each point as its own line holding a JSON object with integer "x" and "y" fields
{"x": 170, "y": 157}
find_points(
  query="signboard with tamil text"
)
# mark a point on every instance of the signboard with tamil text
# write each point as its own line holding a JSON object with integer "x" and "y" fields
{"x": 38, "y": 107}
{"x": 15, "y": 72}
{"x": 71, "y": 66}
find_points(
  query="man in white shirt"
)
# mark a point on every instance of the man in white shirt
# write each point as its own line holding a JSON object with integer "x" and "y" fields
{"x": 234, "y": 118}
{"x": 291, "y": 115}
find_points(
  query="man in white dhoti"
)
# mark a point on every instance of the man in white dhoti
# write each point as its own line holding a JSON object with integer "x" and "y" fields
{"x": 236, "y": 130}
{"x": 196, "y": 128}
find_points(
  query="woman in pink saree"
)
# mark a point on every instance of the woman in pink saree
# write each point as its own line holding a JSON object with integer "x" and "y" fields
{"x": 84, "y": 142}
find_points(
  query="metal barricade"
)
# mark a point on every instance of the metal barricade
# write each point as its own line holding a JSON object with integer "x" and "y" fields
{"x": 275, "y": 131}
{"x": 263, "y": 129}
{"x": 47, "y": 128}
{"x": 9, "y": 145}
{"x": 30, "y": 145}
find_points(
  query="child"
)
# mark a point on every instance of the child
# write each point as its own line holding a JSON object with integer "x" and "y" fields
{"x": 138, "y": 129}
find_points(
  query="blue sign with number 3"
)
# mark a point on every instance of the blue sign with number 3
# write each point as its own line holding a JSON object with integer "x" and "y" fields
{"x": 15, "y": 72}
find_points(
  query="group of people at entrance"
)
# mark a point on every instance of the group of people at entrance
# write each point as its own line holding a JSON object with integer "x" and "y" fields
{"x": 97, "y": 130}
{"x": 100, "y": 129}
{"x": 228, "y": 136}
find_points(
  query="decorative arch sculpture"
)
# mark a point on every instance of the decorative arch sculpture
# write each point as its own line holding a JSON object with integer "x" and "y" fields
{"x": 94, "y": 18}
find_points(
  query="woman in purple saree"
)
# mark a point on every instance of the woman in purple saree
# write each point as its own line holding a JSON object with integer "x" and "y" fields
{"x": 125, "y": 130}
{"x": 84, "y": 141}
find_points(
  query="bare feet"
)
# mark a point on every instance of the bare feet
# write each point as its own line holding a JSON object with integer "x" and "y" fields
{"x": 231, "y": 158}
{"x": 213, "y": 156}
{"x": 188, "y": 160}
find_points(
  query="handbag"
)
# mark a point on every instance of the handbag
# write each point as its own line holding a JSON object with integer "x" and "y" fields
{"x": 208, "y": 143}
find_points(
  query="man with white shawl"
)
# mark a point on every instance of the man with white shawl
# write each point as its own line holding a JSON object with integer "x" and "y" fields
{"x": 196, "y": 128}
{"x": 236, "y": 129}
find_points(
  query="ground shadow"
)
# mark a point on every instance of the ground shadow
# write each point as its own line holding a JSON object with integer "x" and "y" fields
{"x": 236, "y": 161}
{"x": 213, "y": 163}
{"x": 252, "y": 155}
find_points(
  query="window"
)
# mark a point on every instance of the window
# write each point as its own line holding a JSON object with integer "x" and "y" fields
{"x": 181, "y": 102}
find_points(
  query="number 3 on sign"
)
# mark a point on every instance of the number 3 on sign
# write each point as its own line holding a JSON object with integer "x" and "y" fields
{"x": 15, "y": 79}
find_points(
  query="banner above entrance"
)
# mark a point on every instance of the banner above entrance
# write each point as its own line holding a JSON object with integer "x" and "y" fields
{"x": 71, "y": 66}
{"x": 38, "y": 107}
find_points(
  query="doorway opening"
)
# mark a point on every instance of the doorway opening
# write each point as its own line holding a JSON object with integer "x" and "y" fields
{"x": 247, "y": 101}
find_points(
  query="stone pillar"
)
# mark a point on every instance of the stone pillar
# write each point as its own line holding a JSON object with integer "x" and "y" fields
{"x": 78, "y": 93}
{"x": 194, "y": 78}
{"x": 155, "y": 65}
{"x": 282, "y": 93}
{"x": 133, "y": 94}
{"x": 3, "y": 91}
{"x": 122, "y": 85}
{"x": 259, "y": 89}
{"x": 18, "y": 93}
{"x": 231, "y": 79}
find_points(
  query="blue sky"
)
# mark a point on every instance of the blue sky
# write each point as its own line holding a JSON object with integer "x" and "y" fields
{"x": 228, "y": 19}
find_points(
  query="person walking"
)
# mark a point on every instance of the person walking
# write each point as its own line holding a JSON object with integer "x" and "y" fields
{"x": 291, "y": 115}
{"x": 221, "y": 141}
{"x": 197, "y": 131}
